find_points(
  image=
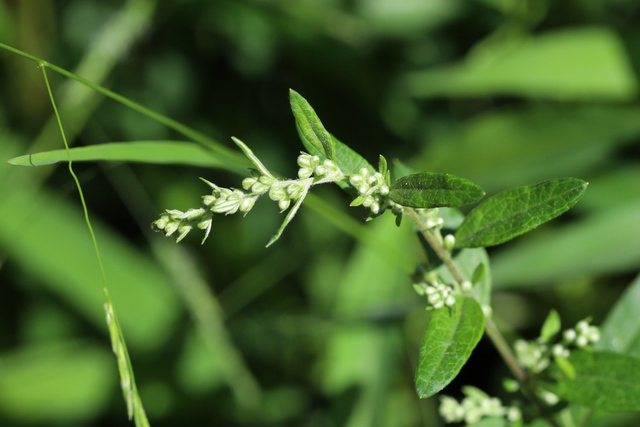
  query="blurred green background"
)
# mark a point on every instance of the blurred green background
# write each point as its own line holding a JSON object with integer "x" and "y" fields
{"x": 323, "y": 328}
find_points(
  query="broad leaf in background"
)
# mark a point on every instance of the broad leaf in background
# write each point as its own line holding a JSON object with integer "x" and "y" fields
{"x": 432, "y": 190}
{"x": 603, "y": 380}
{"x": 570, "y": 251}
{"x": 310, "y": 125}
{"x": 514, "y": 212}
{"x": 450, "y": 337}
{"x": 620, "y": 332}
{"x": 159, "y": 152}
{"x": 583, "y": 63}
{"x": 69, "y": 381}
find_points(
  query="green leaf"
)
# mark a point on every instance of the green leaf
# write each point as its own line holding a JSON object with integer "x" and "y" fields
{"x": 432, "y": 190}
{"x": 620, "y": 332}
{"x": 287, "y": 219}
{"x": 551, "y": 326}
{"x": 582, "y": 63}
{"x": 254, "y": 159}
{"x": 514, "y": 212}
{"x": 569, "y": 251}
{"x": 490, "y": 422}
{"x": 603, "y": 380}
{"x": 57, "y": 382}
{"x": 159, "y": 152}
{"x": 310, "y": 125}
{"x": 451, "y": 336}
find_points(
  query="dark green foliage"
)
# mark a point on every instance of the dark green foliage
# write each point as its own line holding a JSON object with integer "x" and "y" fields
{"x": 433, "y": 190}
{"x": 513, "y": 212}
{"x": 603, "y": 380}
{"x": 448, "y": 341}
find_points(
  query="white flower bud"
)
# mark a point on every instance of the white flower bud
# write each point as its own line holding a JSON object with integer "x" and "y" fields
{"x": 305, "y": 172}
{"x": 569, "y": 335}
{"x": 284, "y": 204}
{"x": 248, "y": 182}
{"x": 450, "y": 301}
{"x": 449, "y": 242}
{"x": 582, "y": 341}
{"x": 259, "y": 188}
{"x": 582, "y": 327}
{"x": 277, "y": 194}
{"x": 161, "y": 222}
{"x": 356, "y": 180}
{"x": 208, "y": 200}
{"x": 466, "y": 286}
{"x": 246, "y": 204}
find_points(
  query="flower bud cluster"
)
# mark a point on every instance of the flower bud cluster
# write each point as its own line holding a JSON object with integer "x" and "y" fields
{"x": 372, "y": 188}
{"x": 583, "y": 335}
{"x": 230, "y": 201}
{"x": 311, "y": 166}
{"x": 536, "y": 355}
{"x": 474, "y": 407}
{"x": 173, "y": 220}
{"x": 438, "y": 294}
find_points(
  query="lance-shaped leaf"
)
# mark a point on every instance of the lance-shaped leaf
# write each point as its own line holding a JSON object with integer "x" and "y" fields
{"x": 310, "y": 125}
{"x": 603, "y": 380}
{"x": 513, "y": 212}
{"x": 432, "y": 190}
{"x": 451, "y": 336}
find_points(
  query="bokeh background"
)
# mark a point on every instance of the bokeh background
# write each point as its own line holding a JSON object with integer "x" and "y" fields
{"x": 323, "y": 328}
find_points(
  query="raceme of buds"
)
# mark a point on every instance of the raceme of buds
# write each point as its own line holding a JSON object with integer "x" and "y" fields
{"x": 474, "y": 407}
{"x": 536, "y": 355}
{"x": 438, "y": 294}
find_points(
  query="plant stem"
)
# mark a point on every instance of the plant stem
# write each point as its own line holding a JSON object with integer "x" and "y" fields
{"x": 490, "y": 327}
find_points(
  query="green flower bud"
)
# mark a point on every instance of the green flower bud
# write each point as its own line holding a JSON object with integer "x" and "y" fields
{"x": 283, "y": 204}
{"x": 277, "y": 194}
{"x": 247, "y": 183}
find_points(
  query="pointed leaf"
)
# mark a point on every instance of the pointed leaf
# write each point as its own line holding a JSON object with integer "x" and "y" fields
{"x": 514, "y": 212}
{"x": 620, "y": 332}
{"x": 603, "y": 380}
{"x": 310, "y": 125}
{"x": 551, "y": 326}
{"x": 451, "y": 336}
{"x": 160, "y": 152}
{"x": 432, "y": 190}
{"x": 287, "y": 219}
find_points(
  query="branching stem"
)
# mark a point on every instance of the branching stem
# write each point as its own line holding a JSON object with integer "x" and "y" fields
{"x": 490, "y": 327}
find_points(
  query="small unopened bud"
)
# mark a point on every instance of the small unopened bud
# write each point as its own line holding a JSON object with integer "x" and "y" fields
{"x": 284, "y": 204}
{"x": 246, "y": 204}
{"x": 449, "y": 242}
{"x": 466, "y": 286}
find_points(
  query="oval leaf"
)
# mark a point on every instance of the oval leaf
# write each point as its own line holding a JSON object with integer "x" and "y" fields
{"x": 310, "y": 125}
{"x": 603, "y": 380}
{"x": 514, "y": 212}
{"x": 451, "y": 336}
{"x": 432, "y": 190}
